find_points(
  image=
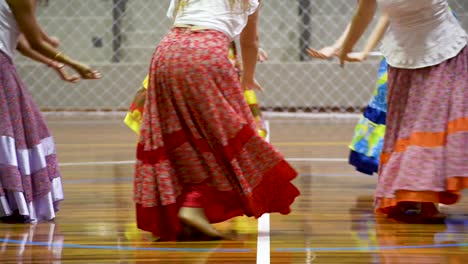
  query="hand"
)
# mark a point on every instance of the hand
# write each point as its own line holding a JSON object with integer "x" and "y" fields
{"x": 60, "y": 69}
{"x": 262, "y": 55}
{"x": 251, "y": 84}
{"x": 356, "y": 57}
{"x": 324, "y": 53}
{"x": 343, "y": 56}
{"x": 86, "y": 72}
{"x": 54, "y": 41}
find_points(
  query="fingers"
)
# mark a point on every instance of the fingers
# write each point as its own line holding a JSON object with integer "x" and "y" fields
{"x": 342, "y": 58}
{"x": 262, "y": 58}
{"x": 315, "y": 53}
{"x": 73, "y": 79}
{"x": 92, "y": 75}
{"x": 258, "y": 87}
{"x": 262, "y": 55}
{"x": 356, "y": 57}
{"x": 54, "y": 41}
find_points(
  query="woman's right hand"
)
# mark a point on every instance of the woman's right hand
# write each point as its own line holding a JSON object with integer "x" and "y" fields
{"x": 324, "y": 53}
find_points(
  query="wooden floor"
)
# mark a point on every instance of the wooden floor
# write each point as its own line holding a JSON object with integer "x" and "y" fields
{"x": 332, "y": 222}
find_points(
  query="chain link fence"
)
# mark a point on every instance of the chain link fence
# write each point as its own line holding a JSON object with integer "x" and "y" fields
{"x": 118, "y": 38}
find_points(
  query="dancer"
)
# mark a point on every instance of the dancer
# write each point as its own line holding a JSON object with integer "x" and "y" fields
{"x": 199, "y": 157}
{"x": 425, "y": 147}
{"x": 30, "y": 182}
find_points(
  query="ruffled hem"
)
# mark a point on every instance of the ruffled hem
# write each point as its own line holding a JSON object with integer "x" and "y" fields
{"x": 274, "y": 194}
{"x": 363, "y": 163}
{"x": 451, "y": 195}
{"x": 367, "y": 145}
{"x": 40, "y": 209}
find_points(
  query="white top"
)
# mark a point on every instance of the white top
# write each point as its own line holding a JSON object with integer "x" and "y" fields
{"x": 421, "y": 33}
{"x": 214, "y": 14}
{"x": 9, "y": 30}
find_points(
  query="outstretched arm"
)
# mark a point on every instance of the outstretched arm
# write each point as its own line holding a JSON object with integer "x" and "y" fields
{"x": 329, "y": 51}
{"x": 25, "y": 49}
{"x": 360, "y": 22}
{"x": 375, "y": 37}
{"x": 23, "y": 11}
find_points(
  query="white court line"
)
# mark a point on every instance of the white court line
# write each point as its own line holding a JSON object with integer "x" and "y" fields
{"x": 129, "y": 162}
{"x": 263, "y": 239}
{"x": 263, "y": 229}
{"x": 317, "y": 160}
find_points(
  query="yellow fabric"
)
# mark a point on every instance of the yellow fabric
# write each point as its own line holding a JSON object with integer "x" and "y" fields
{"x": 145, "y": 82}
{"x": 250, "y": 97}
{"x": 133, "y": 121}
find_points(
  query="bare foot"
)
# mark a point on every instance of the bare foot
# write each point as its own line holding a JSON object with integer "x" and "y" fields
{"x": 196, "y": 218}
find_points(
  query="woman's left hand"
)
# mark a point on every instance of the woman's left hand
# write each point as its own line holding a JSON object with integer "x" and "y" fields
{"x": 251, "y": 84}
{"x": 356, "y": 57}
{"x": 262, "y": 55}
{"x": 64, "y": 75}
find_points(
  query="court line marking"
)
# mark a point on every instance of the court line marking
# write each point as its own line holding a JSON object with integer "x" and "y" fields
{"x": 129, "y": 179}
{"x": 263, "y": 239}
{"x": 127, "y": 162}
{"x": 279, "y": 143}
{"x": 123, "y": 248}
{"x": 372, "y": 248}
{"x": 122, "y": 162}
{"x": 263, "y": 225}
{"x": 230, "y": 250}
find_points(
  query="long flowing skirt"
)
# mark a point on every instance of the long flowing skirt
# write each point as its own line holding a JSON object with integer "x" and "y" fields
{"x": 198, "y": 144}
{"x": 30, "y": 182}
{"x": 368, "y": 138}
{"x": 425, "y": 153}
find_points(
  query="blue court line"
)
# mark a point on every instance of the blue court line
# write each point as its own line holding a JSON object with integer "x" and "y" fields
{"x": 78, "y": 246}
{"x": 233, "y": 250}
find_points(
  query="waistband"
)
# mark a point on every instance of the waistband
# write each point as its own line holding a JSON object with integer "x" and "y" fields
{"x": 191, "y": 27}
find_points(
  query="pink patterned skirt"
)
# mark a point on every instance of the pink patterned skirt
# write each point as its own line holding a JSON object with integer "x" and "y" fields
{"x": 198, "y": 145}
{"x": 30, "y": 182}
{"x": 425, "y": 154}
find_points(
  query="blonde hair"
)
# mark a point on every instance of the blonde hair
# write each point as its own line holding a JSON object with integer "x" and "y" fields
{"x": 244, "y": 4}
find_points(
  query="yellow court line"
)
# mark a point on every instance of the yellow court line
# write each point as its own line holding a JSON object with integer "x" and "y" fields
{"x": 293, "y": 144}
{"x": 96, "y": 145}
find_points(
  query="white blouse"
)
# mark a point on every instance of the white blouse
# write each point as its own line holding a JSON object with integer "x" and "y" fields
{"x": 215, "y": 14}
{"x": 421, "y": 33}
{"x": 9, "y": 30}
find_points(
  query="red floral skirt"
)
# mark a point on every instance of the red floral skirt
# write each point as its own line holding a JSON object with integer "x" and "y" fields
{"x": 198, "y": 144}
